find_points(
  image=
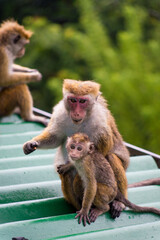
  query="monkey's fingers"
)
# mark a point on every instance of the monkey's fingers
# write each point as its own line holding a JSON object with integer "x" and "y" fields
{"x": 82, "y": 216}
{"x": 78, "y": 214}
{"x": 88, "y": 220}
{"x": 60, "y": 169}
{"x": 93, "y": 216}
{"x": 30, "y": 147}
{"x": 85, "y": 219}
{"x": 115, "y": 209}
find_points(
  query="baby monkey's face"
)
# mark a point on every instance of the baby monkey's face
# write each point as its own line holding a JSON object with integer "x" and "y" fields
{"x": 76, "y": 149}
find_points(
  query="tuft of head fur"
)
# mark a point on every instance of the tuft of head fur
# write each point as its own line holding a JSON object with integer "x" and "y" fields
{"x": 80, "y": 137}
{"x": 80, "y": 88}
{"x": 10, "y": 26}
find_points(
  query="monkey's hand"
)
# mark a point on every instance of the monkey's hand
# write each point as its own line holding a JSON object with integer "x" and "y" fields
{"x": 29, "y": 147}
{"x": 83, "y": 215}
{"x": 63, "y": 168}
{"x": 35, "y": 76}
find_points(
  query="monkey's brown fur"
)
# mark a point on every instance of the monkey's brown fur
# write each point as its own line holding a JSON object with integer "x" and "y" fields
{"x": 81, "y": 88}
{"x": 96, "y": 187}
{"x": 11, "y": 26}
{"x": 13, "y": 78}
{"x": 152, "y": 181}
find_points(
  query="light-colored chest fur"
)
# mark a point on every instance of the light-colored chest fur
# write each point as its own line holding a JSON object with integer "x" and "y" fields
{"x": 92, "y": 126}
{"x": 81, "y": 171}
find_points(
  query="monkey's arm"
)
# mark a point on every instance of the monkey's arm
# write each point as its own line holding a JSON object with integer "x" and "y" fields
{"x": 18, "y": 68}
{"x": 15, "y": 78}
{"x": 89, "y": 193}
{"x": 51, "y": 137}
{"x": 104, "y": 141}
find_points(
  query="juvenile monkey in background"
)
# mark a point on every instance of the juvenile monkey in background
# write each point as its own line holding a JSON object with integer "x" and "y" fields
{"x": 83, "y": 109}
{"x": 97, "y": 187}
{"x": 13, "y": 78}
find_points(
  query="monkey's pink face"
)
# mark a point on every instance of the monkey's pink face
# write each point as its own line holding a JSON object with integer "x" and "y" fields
{"x": 78, "y": 106}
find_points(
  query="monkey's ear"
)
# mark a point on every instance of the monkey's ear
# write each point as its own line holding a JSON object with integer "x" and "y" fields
{"x": 91, "y": 148}
{"x": 99, "y": 94}
{"x": 67, "y": 141}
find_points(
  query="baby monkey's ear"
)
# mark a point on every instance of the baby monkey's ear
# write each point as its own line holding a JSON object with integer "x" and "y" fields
{"x": 91, "y": 147}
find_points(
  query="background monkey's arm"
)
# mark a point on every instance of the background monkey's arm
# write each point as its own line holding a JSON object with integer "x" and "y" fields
{"x": 18, "y": 68}
{"x": 19, "y": 78}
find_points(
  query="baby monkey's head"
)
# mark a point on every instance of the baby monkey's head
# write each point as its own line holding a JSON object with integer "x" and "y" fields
{"x": 79, "y": 146}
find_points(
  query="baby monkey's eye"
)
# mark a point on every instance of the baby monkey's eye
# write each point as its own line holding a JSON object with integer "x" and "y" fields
{"x": 79, "y": 148}
{"x": 17, "y": 38}
{"x": 72, "y": 146}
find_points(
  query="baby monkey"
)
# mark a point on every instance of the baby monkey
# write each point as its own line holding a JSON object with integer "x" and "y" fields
{"x": 98, "y": 186}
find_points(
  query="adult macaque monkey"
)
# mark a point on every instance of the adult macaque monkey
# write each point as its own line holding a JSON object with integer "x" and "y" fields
{"x": 97, "y": 186}
{"x": 83, "y": 109}
{"x": 13, "y": 78}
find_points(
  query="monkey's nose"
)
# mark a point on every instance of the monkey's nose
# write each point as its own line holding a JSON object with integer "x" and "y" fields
{"x": 76, "y": 114}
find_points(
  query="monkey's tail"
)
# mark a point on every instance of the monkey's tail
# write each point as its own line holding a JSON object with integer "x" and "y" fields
{"x": 152, "y": 181}
{"x": 135, "y": 207}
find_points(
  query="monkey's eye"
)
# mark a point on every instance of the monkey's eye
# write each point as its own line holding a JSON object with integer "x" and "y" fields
{"x": 79, "y": 148}
{"x": 82, "y": 100}
{"x": 73, "y": 100}
{"x": 72, "y": 146}
{"x": 16, "y": 39}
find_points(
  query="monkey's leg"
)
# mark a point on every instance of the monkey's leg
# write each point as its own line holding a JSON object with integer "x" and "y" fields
{"x": 25, "y": 103}
{"x": 8, "y": 101}
{"x": 19, "y": 96}
{"x": 117, "y": 207}
{"x": 68, "y": 181}
{"x": 104, "y": 196}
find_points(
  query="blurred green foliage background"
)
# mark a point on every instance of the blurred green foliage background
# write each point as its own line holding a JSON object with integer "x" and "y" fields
{"x": 116, "y": 43}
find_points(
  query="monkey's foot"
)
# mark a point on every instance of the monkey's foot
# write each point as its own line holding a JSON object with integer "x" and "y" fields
{"x": 38, "y": 119}
{"x": 94, "y": 213}
{"x": 116, "y": 208}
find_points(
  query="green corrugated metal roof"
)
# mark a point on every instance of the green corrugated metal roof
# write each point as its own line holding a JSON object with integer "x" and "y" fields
{"x": 31, "y": 201}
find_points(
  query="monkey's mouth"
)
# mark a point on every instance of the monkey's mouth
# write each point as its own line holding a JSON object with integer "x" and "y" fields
{"x": 77, "y": 121}
{"x": 74, "y": 158}
{"x": 21, "y": 52}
